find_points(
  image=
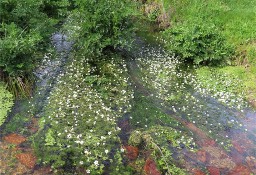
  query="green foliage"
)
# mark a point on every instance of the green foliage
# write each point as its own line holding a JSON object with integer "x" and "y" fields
{"x": 197, "y": 43}
{"x": 6, "y": 102}
{"x": 235, "y": 19}
{"x": 97, "y": 25}
{"x": 57, "y": 8}
{"x": 25, "y": 27}
{"x": 16, "y": 124}
{"x": 17, "y": 49}
{"x": 237, "y": 27}
{"x": 49, "y": 139}
{"x": 28, "y": 16}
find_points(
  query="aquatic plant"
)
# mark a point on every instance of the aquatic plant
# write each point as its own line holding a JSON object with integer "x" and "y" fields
{"x": 190, "y": 99}
{"x": 160, "y": 141}
{"x": 79, "y": 127}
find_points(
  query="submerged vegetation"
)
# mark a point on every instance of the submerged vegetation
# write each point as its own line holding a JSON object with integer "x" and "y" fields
{"x": 80, "y": 119}
{"x": 114, "y": 104}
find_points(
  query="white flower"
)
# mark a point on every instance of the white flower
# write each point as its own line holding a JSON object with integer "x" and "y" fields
{"x": 122, "y": 150}
{"x": 118, "y": 128}
{"x": 88, "y": 171}
{"x": 109, "y": 133}
{"x": 81, "y": 162}
{"x": 96, "y": 163}
{"x": 75, "y": 95}
{"x": 106, "y": 151}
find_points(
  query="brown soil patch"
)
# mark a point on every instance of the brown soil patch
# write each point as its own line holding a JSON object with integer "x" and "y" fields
{"x": 201, "y": 156}
{"x": 240, "y": 170}
{"x": 14, "y": 139}
{"x": 131, "y": 152}
{"x": 150, "y": 168}
{"x": 8, "y": 163}
{"x": 218, "y": 158}
{"x": 213, "y": 170}
{"x": 27, "y": 159}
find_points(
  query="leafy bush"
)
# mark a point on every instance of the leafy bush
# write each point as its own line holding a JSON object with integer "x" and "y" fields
{"x": 6, "y": 102}
{"x": 97, "y": 25}
{"x": 24, "y": 27}
{"x": 197, "y": 43}
{"x": 17, "y": 50}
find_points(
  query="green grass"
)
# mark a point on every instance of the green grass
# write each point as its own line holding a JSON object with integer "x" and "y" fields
{"x": 236, "y": 20}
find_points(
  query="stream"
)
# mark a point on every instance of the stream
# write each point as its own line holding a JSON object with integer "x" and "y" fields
{"x": 32, "y": 109}
{"x": 223, "y": 129}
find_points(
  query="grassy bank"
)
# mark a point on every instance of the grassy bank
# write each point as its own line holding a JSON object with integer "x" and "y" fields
{"x": 235, "y": 21}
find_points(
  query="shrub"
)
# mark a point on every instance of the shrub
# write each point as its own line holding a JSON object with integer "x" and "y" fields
{"x": 17, "y": 50}
{"x": 197, "y": 43}
{"x": 97, "y": 25}
{"x": 24, "y": 27}
{"x": 6, "y": 102}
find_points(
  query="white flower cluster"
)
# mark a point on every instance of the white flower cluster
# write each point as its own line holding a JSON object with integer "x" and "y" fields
{"x": 182, "y": 92}
{"x": 83, "y": 119}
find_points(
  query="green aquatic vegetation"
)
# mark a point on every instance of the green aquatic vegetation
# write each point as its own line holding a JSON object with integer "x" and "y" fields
{"x": 17, "y": 123}
{"x": 159, "y": 140}
{"x": 227, "y": 87}
{"x": 78, "y": 128}
{"x": 160, "y": 133}
{"x": 49, "y": 139}
{"x": 146, "y": 114}
{"x": 6, "y": 102}
{"x": 190, "y": 98}
{"x": 244, "y": 76}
